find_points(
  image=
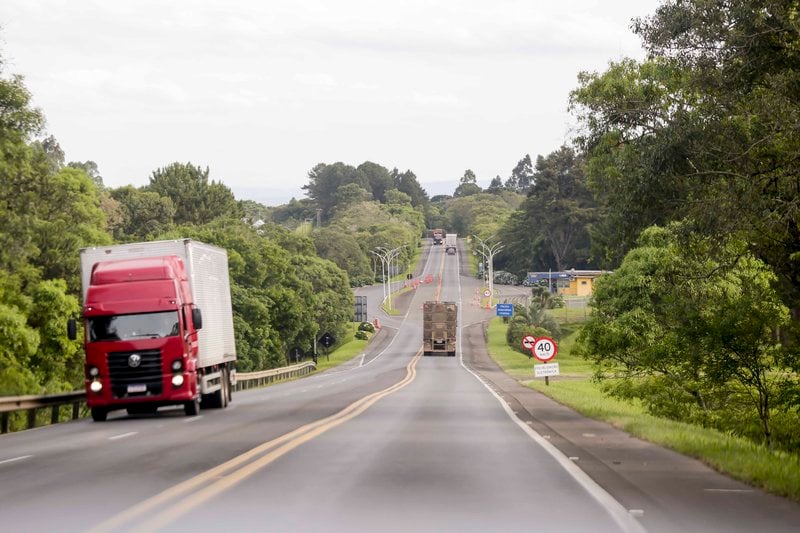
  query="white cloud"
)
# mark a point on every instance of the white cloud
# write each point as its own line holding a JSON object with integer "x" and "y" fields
{"x": 262, "y": 91}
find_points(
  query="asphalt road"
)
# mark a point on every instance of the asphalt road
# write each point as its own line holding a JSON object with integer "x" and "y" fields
{"x": 391, "y": 441}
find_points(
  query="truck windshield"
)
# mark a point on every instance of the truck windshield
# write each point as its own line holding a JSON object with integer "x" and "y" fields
{"x": 139, "y": 326}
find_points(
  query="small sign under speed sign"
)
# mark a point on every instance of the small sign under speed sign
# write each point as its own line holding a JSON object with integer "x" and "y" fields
{"x": 544, "y": 349}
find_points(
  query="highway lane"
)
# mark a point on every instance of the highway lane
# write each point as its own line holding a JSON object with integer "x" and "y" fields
{"x": 392, "y": 441}
{"x": 438, "y": 447}
{"x": 439, "y": 454}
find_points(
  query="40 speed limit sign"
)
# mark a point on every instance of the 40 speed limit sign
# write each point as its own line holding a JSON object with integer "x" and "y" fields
{"x": 545, "y": 349}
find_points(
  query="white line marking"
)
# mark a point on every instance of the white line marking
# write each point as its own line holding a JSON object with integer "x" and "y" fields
{"x": 615, "y": 509}
{"x": 729, "y": 490}
{"x": 15, "y": 459}
{"x": 124, "y": 435}
{"x": 190, "y": 419}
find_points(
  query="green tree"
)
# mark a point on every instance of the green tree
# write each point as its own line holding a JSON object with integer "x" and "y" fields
{"x": 468, "y": 185}
{"x": 563, "y": 206}
{"x": 521, "y": 176}
{"x": 145, "y": 214}
{"x": 687, "y": 325}
{"x": 325, "y": 180}
{"x": 196, "y": 200}
{"x": 495, "y": 186}
{"x": 379, "y": 178}
{"x": 406, "y": 182}
{"x": 90, "y": 169}
{"x": 343, "y": 249}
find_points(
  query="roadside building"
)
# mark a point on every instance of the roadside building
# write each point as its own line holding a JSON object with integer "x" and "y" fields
{"x": 569, "y": 283}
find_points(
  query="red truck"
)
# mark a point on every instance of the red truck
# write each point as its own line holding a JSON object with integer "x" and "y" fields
{"x": 158, "y": 327}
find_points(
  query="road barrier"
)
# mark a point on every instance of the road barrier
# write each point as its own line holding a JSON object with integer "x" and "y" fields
{"x": 76, "y": 399}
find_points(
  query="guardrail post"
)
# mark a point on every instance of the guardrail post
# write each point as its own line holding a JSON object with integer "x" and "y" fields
{"x": 76, "y": 410}
{"x": 4, "y": 423}
{"x": 54, "y": 412}
{"x": 31, "y": 418}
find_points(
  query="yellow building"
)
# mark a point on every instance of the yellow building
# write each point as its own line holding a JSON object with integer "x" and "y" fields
{"x": 569, "y": 283}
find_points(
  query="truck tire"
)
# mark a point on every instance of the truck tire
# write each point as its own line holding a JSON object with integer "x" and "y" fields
{"x": 228, "y": 387}
{"x": 99, "y": 414}
{"x": 451, "y": 354}
{"x": 192, "y": 407}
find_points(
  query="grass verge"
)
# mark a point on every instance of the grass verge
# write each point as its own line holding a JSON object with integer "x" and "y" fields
{"x": 343, "y": 352}
{"x": 773, "y": 471}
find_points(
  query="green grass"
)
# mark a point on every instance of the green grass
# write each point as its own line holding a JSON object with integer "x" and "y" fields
{"x": 776, "y": 472}
{"x": 344, "y": 352}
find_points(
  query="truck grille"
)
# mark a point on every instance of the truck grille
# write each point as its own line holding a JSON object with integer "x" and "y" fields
{"x": 127, "y": 377}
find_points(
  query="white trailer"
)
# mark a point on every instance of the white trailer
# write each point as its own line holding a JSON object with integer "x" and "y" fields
{"x": 208, "y": 279}
{"x": 450, "y": 241}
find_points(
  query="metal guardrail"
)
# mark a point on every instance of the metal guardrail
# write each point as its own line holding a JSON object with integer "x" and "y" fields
{"x": 251, "y": 380}
{"x": 32, "y": 404}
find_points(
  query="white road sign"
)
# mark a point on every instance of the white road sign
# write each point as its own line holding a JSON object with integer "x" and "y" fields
{"x": 487, "y": 293}
{"x": 545, "y": 370}
{"x": 528, "y": 341}
{"x": 545, "y": 349}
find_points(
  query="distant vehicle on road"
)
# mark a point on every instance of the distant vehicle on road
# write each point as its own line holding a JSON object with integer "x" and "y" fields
{"x": 450, "y": 241}
{"x": 438, "y": 236}
{"x": 439, "y": 321}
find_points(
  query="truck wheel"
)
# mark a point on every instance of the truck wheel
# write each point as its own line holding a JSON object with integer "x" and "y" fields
{"x": 228, "y": 385}
{"x": 451, "y": 354}
{"x": 99, "y": 414}
{"x": 223, "y": 391}
{"x": 192, "y": 407}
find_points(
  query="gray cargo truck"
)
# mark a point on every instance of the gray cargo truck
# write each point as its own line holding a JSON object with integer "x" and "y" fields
{"x": 439, "y": 328}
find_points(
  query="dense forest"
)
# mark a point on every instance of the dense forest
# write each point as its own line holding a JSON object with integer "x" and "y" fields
{"x": 684, "y": 180}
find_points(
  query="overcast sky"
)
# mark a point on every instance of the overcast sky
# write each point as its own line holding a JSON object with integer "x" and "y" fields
{"x": 261, "y": 91}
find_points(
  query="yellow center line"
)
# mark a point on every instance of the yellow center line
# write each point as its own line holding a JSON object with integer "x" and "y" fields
{"x": 215, "y": 480}
{"x": 438, "y": 293}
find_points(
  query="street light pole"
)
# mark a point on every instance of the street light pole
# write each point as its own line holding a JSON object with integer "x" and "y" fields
{"x": 386, "y": 256}
{"x": 488, "y": 251}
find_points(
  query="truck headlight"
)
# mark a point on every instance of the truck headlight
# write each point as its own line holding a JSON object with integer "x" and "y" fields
{"x": 96, "y": 386}
{"x": 177, "y": 365}
{"x": 94, "y": 371}
{"x": 177, "y": 380}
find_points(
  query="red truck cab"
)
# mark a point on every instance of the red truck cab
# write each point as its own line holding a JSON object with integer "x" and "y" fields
{"x": 141, "y": 328}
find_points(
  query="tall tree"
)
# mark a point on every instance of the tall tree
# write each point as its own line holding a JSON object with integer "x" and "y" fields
{"x": 468, "y": 185}
{"x": 407, "y": 182}
{"x": 145, "y": 214}
{"x": 495, "y": 186}
{"x": 196, "y": 200}
{"x": 91, "y": 170}
{"x": 379, "y": 178}
{"x": 553, "y": 228}
{"x": 521, "y": 176}
{"x": 705, "y": 129}
{"x": 325, "y": 180}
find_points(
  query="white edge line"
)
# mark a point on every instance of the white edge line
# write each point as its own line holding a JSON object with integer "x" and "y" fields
{"x": 617, "y": 511}
{"x": 123, "y": 435}
{"x": 15, "y": 459}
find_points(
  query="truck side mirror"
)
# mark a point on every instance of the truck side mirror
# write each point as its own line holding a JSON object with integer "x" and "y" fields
{"x": 72, "y": 329}
{"x": 197, "y": 318}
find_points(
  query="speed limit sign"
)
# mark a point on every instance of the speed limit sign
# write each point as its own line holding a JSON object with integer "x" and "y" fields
{"x": 545, "y": 349}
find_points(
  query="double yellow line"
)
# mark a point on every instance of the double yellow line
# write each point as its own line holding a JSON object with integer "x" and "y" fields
{"x": 193, "y": 492}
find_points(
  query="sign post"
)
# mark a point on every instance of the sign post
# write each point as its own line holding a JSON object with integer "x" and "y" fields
{"x": 545, "y": 350}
